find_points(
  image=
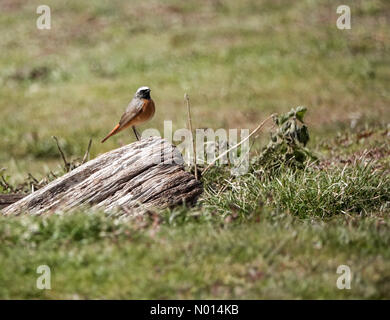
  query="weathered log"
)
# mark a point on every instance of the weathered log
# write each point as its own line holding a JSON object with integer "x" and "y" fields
{"x": 8, "y": 199}
{"x": 139, "y": 176}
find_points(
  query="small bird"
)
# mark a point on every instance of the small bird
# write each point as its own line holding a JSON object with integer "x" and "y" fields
{"x": 140, "y": 109}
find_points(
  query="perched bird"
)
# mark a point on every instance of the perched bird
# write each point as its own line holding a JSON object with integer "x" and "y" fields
{"x": 140, "y": 109}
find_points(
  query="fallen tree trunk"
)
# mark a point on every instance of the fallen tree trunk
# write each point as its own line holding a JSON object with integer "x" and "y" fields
{"x": 8, "y": 199}
{"x": 143, "y": 175}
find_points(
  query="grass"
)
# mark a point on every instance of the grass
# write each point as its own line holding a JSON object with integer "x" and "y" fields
{"x": 239, "y": 62}
{"x": 265, "y": 234}
{"x": 250, "y": 237}
{"x": 351, "y": 189}
{"x": 92, "y": 256}
{"x": 325, "y": 193}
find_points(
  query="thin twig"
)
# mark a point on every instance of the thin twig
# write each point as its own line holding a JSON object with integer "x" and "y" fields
{"x": 66, "y": 163}
{"x": 230, "y": 180}
{"x": 86, "y": 155}
{"x": 33, "y": 178}
{"x": 238, "y": 144}
{"x": 189, "y": 124}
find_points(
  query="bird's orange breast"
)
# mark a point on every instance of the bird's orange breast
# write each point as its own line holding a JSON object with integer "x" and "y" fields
{"x": 147, "y": 112}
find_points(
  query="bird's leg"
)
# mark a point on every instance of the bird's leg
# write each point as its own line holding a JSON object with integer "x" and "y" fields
{"x": 137, "y": 135}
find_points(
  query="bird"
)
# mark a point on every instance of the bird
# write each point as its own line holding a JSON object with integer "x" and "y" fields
{"x": 140, "y": 109}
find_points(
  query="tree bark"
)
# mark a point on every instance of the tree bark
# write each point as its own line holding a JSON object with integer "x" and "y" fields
{"x": 135, "y": 178}
{"x": 8, "y": 199}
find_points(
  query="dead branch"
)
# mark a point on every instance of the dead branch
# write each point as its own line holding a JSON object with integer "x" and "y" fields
{"x": 139, "y": 176}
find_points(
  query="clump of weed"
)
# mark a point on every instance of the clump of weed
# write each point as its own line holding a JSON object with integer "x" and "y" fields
{"x": 288, "y": 143}
{"x": 287, "y": 178}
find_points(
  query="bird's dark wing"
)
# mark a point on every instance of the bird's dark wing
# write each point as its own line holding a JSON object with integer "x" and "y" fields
{"x": 133, "y": 109}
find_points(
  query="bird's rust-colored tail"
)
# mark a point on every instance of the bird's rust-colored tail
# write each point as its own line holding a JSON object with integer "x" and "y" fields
{"x": 114, "y": 131}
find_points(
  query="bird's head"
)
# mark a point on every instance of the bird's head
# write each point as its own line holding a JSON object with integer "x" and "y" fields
{"x": 143, "y": 93}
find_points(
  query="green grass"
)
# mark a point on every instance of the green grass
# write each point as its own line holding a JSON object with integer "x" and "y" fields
{"x": 239, "y": 62}
{"x": 261, "y": 235}
{"x": 333, "y": 191}
{"x": 252, "y": 236}
{"x": 92, "y": 256}
{"x": 311, "y": 192}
